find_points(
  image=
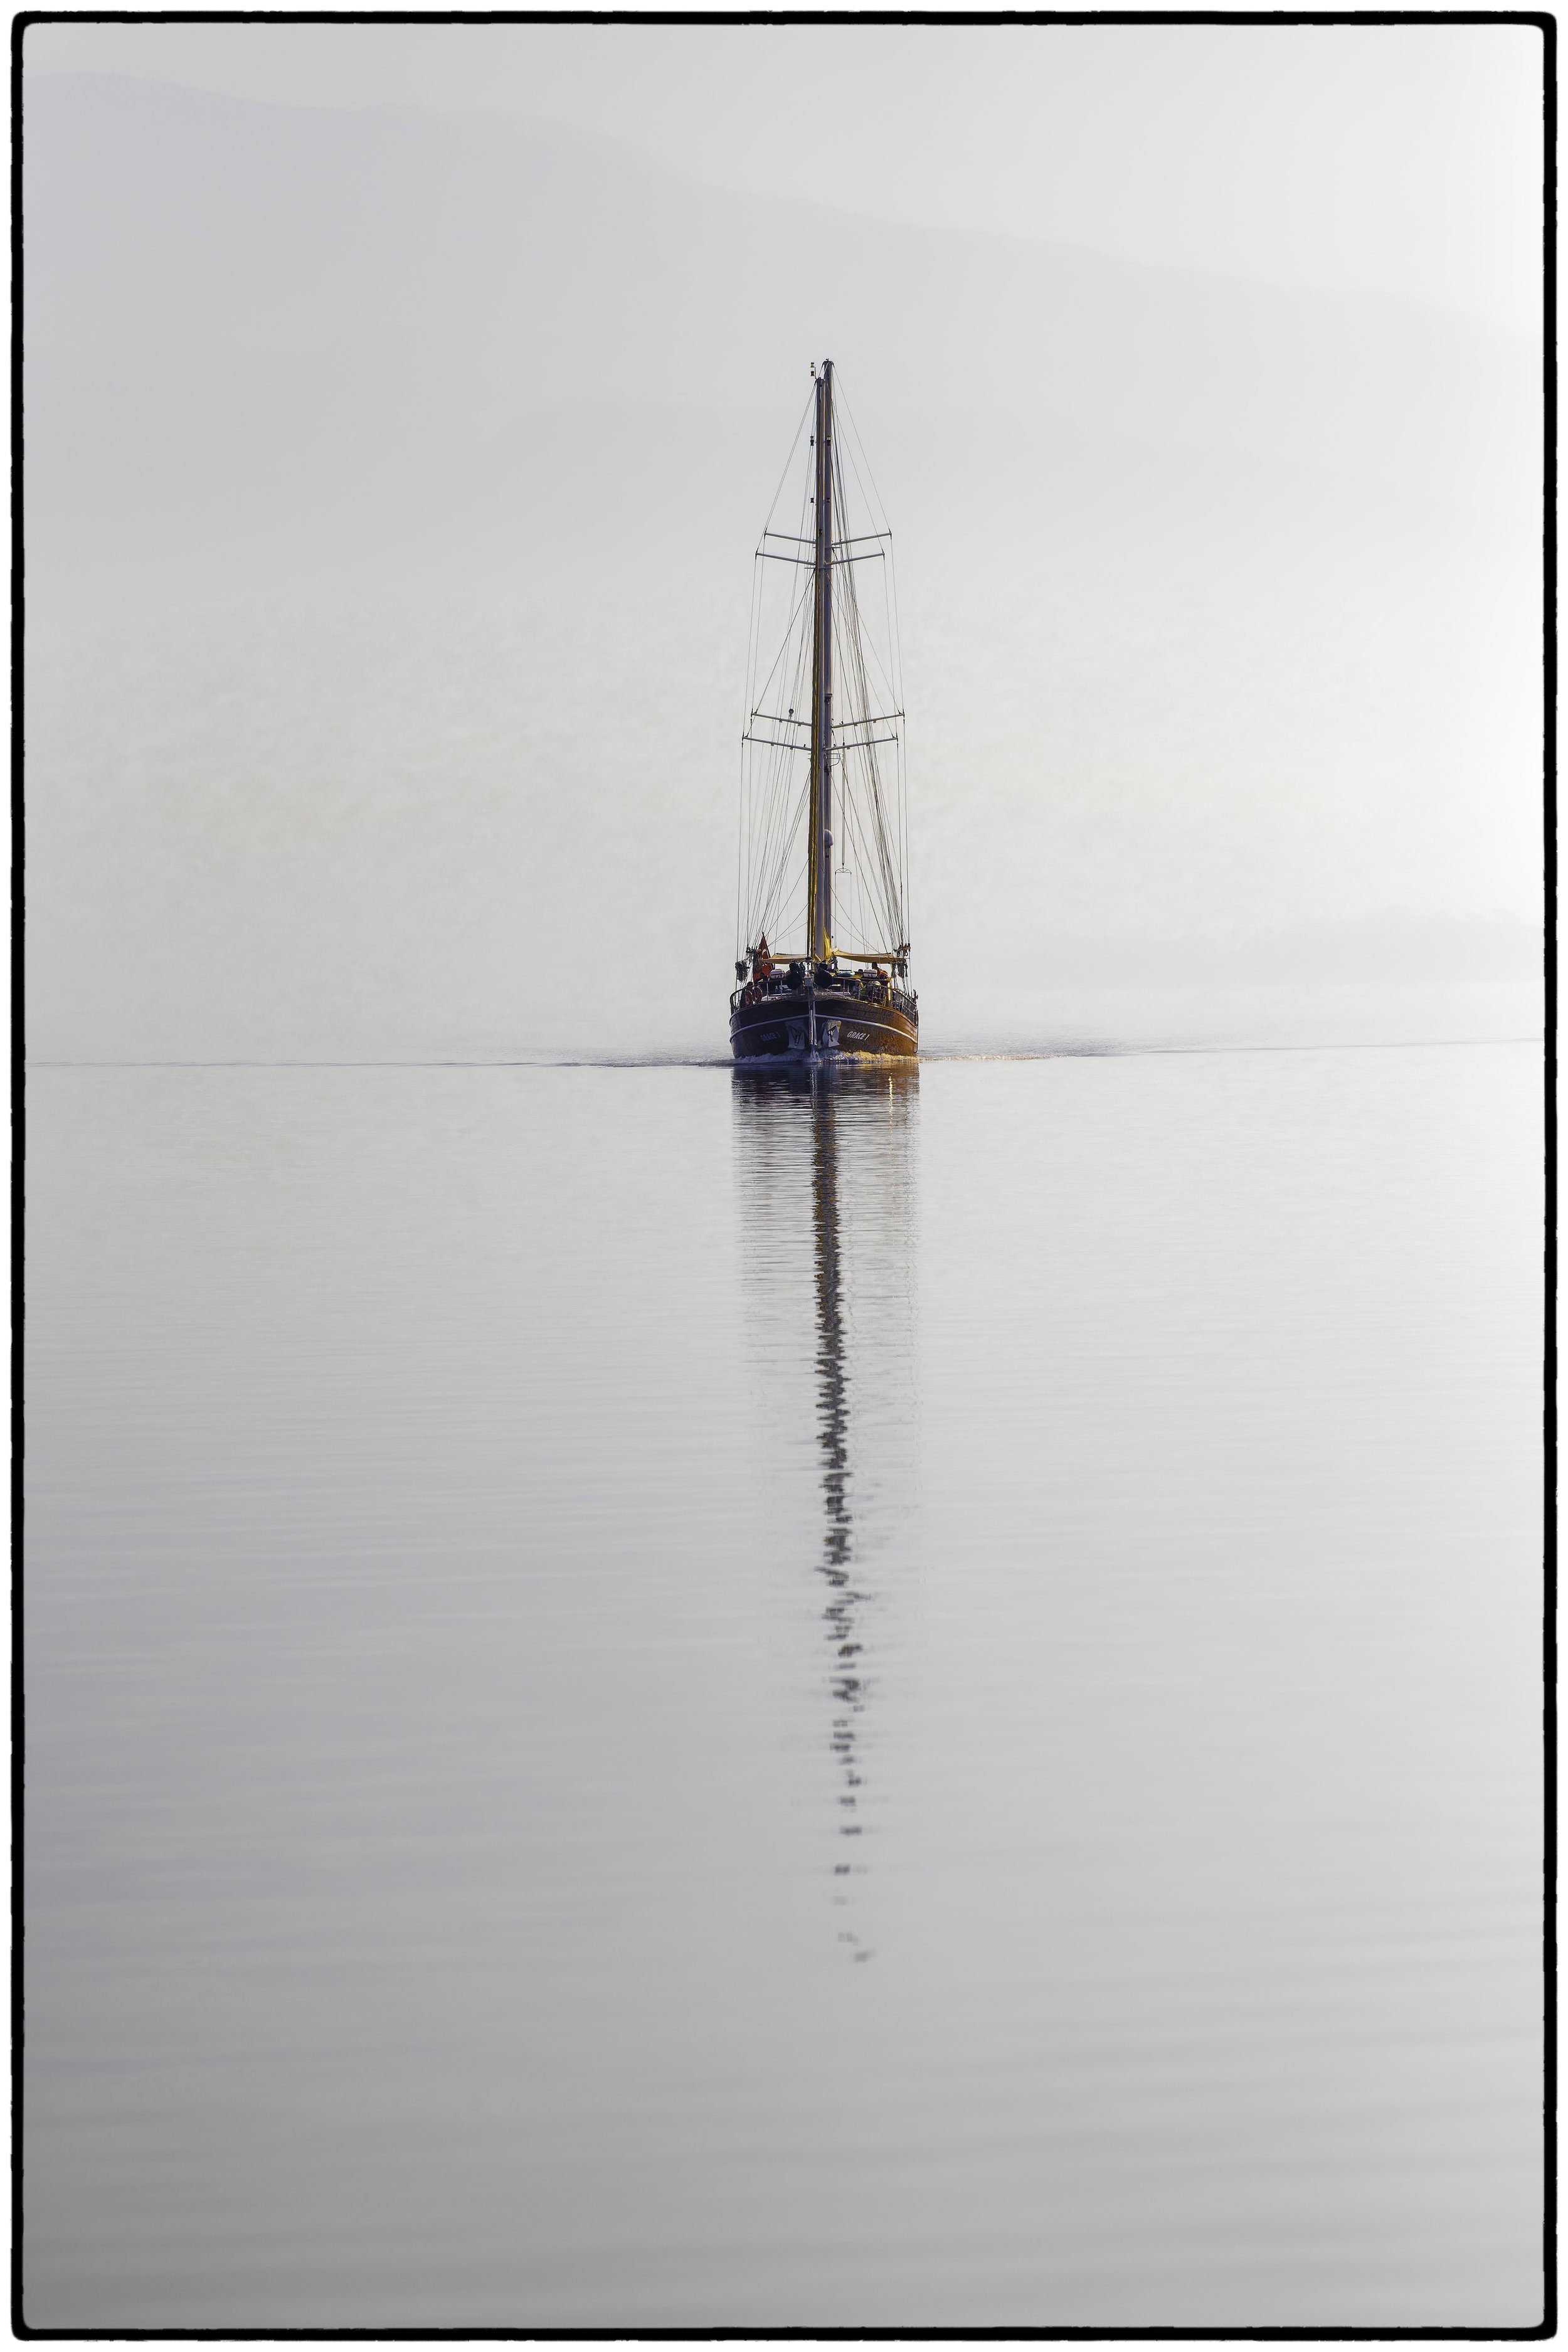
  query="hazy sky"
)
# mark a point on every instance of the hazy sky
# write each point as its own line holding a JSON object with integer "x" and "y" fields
{"x": 393, "y": 470}
{"x": 1401, "y": 158}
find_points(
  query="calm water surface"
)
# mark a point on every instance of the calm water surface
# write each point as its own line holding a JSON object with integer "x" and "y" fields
{"x": 660, "y": 1699}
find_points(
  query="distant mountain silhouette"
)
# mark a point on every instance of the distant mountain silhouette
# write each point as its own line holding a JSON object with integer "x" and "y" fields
{"x": 394, "y": 331}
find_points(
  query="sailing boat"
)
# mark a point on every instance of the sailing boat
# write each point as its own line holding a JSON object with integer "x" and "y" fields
{"x": 829, "y": 780}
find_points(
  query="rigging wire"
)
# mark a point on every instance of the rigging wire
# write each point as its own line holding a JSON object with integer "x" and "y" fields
{"x": 874, "y": 499}
{"x": 854, "y": 651}
{"x": 794, "y": 444}
{"x": 869, "y": 826}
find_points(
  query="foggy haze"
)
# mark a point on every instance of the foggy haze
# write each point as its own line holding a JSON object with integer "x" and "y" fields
{"x": 1331, "y": 156}
{"x": 393, "y": 477}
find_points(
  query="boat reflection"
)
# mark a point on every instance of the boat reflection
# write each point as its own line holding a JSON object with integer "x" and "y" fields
{"x": 824, "y": 1162}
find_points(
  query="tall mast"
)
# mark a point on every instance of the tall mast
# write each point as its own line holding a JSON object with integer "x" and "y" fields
{"x": 819, "y": 861}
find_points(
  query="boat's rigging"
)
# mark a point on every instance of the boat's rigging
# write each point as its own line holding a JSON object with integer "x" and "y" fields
{"x": 859, "y": 540}
{"x": 843, "y": 821}
{"x": 788, "y": 719}
{"x": 806, "y": 563}
{"x": 852, "y": 743}
{"x": 850, "y": 440}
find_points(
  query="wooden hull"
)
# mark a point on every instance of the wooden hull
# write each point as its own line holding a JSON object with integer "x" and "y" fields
{"x": 792, "y": 1027}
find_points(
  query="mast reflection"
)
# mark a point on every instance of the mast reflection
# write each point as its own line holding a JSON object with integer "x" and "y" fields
{"x": 835, "y": 1141}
